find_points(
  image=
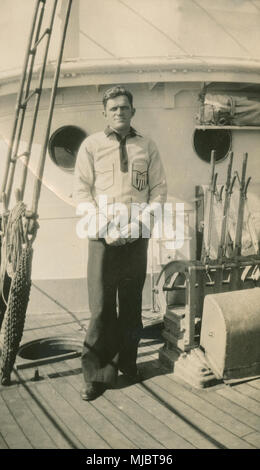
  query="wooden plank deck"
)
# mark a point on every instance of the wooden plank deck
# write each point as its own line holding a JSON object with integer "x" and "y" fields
{"x": 162, "y": 412}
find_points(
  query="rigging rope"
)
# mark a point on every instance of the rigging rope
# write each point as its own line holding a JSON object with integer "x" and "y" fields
{"x": 13, "y": 240}
{"x": 16, "y": 254}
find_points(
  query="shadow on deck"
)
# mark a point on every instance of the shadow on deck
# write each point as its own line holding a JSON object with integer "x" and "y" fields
{"x": 42, "y": 408}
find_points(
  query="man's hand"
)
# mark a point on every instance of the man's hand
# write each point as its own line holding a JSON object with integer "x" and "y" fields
{"x": 128, "y": 234}
{"x": 135, "y": 230}
{"x": 113, "y": 238}
{"x": 115, "y": 241}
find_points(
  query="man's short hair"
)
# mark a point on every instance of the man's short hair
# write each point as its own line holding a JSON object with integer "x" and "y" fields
{"x": 117, "y": 91}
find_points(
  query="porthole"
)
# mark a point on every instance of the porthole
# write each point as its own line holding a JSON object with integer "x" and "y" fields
{"x": 205, "y": 141}
{"x": 63, "y": 146}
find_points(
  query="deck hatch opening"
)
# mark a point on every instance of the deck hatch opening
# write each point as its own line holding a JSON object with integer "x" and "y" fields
{"x": 46, "y": 350}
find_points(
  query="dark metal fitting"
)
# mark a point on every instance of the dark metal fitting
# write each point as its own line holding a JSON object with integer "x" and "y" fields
{"x": 6, "y": 380}
{"x": 31, "y": 215}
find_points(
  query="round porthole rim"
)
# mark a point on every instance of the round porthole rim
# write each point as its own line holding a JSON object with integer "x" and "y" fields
{"x": 221, "y": 159}
{"x": 51, "y": 139}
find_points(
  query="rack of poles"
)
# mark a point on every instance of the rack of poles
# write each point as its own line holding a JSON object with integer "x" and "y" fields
{"x": 220, "y": 270}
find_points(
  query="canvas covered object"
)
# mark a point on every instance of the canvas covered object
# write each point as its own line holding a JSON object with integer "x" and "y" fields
{"x": 228, "y": 110}
{"x": 251, "y": 222}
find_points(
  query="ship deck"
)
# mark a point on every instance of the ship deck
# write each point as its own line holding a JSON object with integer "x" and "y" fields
{"x": 161, "y": 412}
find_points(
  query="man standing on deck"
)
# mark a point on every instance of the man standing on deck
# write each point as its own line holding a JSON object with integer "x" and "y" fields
{"x": 123, "y": 169}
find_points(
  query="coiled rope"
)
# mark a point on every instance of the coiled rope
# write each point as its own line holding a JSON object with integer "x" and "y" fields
{"x": 16, "y": 260}
{"x": 13, "y": 239}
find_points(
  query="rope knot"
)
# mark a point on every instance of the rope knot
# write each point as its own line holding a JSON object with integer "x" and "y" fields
{"x": 14, "y": 237}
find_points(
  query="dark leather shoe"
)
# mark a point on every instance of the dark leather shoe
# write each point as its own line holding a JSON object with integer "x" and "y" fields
{"x": 131, "y": 373}
{"x": 92, "y": 390}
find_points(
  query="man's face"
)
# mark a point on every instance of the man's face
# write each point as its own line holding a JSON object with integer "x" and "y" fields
{"x": 119, "y": 113}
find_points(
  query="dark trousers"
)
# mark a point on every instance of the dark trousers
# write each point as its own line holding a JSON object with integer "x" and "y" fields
{"x": 113, "y": 335}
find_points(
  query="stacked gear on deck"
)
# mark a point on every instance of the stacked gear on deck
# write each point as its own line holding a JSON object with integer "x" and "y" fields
{"x": 222, "y": 267}
{"x": 19, "y": 225}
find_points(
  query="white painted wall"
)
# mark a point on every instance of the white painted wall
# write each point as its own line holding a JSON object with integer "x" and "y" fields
{"x": 166, "y": 113}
